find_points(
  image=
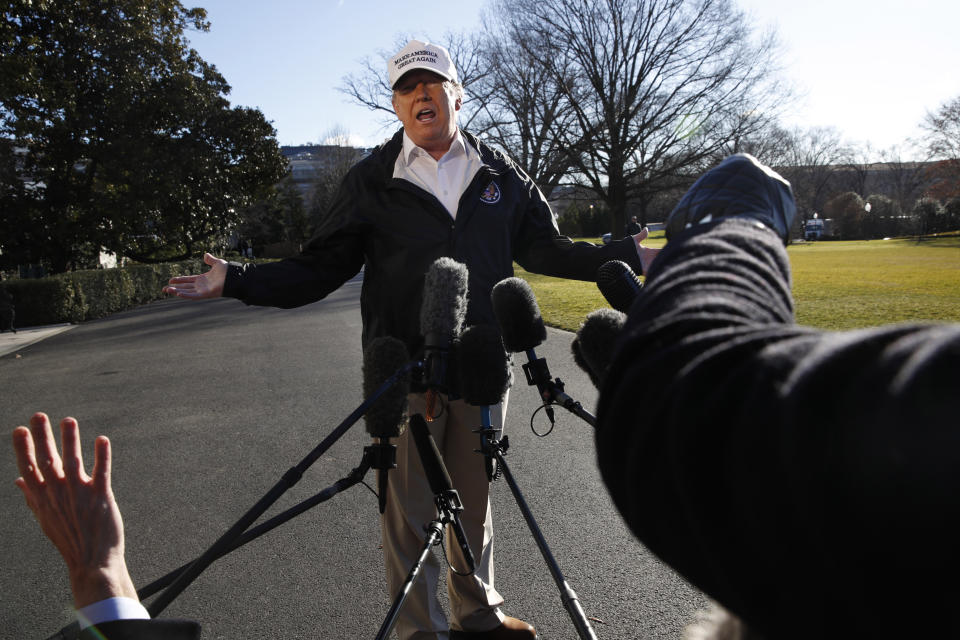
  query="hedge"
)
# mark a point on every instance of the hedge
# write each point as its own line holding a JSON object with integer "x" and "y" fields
{"x": 85, "y": 295}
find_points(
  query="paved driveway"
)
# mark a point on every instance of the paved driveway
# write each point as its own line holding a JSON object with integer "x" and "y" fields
{"x": 207, "y": 404}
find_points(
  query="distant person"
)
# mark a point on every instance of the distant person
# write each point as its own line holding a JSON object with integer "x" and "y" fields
{"x": 807, "y": 480}
{"x": 633, "y": 227}
{"x": 431, "y": 191}
{"x": 79, "y": 515}
{"x": 7, "y": 308}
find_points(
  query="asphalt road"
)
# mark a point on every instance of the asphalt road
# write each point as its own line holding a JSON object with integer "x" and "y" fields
{"x": 208, "y": 404}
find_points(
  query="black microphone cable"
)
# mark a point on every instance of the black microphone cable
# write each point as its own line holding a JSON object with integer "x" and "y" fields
{"x": 518, "y": 315}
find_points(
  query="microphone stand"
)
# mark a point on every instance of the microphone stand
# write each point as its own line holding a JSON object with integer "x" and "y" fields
{"x": 551, "y": 390}
{"x": 448, "y": 509}
{"x": 497, "y": 448}
{"x": 376, "y": 456}
{"x": 354, "y": 477}
{"x": 489, "y": 434}
{"x": 290, "y": 478}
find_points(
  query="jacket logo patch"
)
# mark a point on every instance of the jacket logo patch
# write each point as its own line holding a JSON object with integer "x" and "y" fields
{"x": 491, "y": 195}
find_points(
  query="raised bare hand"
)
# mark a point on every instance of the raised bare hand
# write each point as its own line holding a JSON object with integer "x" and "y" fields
{"x": 77, "y": 512}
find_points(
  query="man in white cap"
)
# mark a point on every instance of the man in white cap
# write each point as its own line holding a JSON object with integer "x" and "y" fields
{"x": 429, "y": 192}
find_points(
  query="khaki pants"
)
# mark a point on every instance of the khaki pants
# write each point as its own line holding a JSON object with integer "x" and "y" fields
{"x": 474, "y": 601}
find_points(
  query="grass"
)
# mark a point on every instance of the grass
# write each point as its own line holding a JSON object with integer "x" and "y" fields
{"x": 836, "y": 285}
{"x": 846, "y": 285}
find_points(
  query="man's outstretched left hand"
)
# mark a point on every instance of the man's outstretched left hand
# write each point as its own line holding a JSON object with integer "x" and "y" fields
{"x": 647, "y": 254}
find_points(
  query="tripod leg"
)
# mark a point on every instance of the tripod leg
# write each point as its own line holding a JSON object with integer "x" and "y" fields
{"x": 567, "y": 595}
{"x": 487, "y": 435}
{"x": 434, "y": 536}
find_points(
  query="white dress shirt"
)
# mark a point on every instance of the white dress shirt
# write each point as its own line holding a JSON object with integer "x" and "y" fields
{"x": 446, "y": 178}
{"x": 111, "y": 609}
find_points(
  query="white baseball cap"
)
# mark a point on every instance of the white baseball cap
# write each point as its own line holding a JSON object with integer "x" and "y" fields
{"x": 421, "y": 55}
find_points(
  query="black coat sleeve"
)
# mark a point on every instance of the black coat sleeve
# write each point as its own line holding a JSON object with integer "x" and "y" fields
{"x": 143, "y": 630}
{"x": 539, "y": 247}
{"x": 807, "y": 480}
{"x": 332, "y": 257}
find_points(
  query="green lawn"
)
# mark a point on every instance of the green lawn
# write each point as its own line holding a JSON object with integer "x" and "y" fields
{"x": 837, "y": 285}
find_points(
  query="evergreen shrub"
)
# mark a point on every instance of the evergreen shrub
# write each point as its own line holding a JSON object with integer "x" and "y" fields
{"x": 84, "y": 295}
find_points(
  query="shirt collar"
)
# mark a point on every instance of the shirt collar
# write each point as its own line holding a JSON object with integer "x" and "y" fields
{"x": 411, "y": 150}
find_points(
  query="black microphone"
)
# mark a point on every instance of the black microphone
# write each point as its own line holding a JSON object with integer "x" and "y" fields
{"x": 483, "y": 366}
{"x": 593, "y": 348}
{"x": 442, "y": 312}
{"x": 618, "y": 284}
{"x": 384, "y": 361}
{"x": 485, "y": 375}
{"x": 383, "y": 358}
{"x": 518, "y": 315}
{"x": 448, "y": 499}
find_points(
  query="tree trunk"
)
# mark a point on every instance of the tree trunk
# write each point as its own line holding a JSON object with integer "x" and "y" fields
{"x": 643, "y": 202}
{"x": 617, "y": 201}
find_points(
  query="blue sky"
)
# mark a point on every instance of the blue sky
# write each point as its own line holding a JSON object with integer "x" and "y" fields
{"x": 872, "y": 69}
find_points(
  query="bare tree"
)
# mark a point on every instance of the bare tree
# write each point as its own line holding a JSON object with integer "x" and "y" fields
{"x": 810, "y": 163}
{"x": 334, "y": 158}
{"x": 370, "y": 87}
{"x": 943, "y": 131}
{"x": 901, "y": 179}
{"x": 766, "y": 140}
{"x": 520, "y": 108}
{"x": 942, "y": 142}
{"x": 658, "y": 87}
{"x": 861, "y": 161}
{"x": 628, "y": 98}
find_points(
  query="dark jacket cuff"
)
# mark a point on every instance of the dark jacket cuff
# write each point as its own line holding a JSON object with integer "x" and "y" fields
{"x": 233, "y": 285}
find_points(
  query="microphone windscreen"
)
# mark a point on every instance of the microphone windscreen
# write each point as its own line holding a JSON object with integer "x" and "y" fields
{"x": 382, "y": 358}
{"x": 618, "y": 284}
{"x": 581, "y": 362}
{"x": 518, "y": 315}
{"x": 444, "y": 304}
{"x": 483, "y": 365}
{"x": 594, "y": 345}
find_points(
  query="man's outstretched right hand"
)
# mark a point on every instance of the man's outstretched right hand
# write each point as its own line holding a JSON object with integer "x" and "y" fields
{"x": 204, "y": 285}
